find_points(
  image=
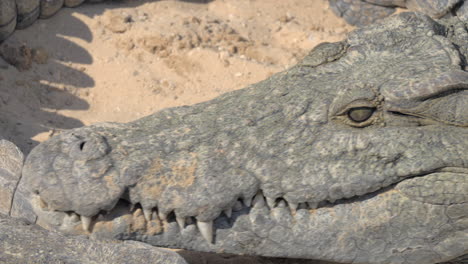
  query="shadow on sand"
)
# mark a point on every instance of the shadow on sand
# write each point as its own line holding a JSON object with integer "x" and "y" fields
{"x": 30, "y": 101}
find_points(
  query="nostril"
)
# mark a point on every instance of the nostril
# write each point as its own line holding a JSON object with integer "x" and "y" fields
{"x": 87, "y": 146}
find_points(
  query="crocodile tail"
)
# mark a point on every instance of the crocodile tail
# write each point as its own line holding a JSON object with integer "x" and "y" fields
{"x": 19, "y": 14}
{"x": 8, "y": 18}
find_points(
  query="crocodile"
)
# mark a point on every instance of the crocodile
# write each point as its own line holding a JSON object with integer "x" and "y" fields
{"x": 358, "y": 154}
{"x": 364, "y": 12}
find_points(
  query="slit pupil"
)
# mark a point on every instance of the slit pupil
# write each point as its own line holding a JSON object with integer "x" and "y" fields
{"x": 82, "y": 144}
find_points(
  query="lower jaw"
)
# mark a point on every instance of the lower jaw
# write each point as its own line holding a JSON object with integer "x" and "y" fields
{"x": 385, "y": 228}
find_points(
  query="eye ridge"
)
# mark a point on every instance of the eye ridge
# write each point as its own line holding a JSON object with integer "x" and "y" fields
{"x": 360, "y": 114}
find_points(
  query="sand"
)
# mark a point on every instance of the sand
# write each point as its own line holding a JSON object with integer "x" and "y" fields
{"x": 117, "y": 62}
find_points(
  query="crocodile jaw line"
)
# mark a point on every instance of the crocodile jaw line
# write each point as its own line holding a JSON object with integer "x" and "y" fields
{"x": 278, "y": 211}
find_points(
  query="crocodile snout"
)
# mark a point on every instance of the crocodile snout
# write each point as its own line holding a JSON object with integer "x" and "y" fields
{"x": 77, "y": 175}
{"x": 85, "y": 146}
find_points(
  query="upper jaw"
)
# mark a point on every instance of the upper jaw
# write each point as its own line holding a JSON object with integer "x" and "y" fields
{"x": 421, "y": 188}
{"x": 74, "y": 171}
{"x": 281, "y": 231}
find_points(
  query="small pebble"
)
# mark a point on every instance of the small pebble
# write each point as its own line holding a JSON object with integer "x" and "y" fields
{"x": 40, "y": 55}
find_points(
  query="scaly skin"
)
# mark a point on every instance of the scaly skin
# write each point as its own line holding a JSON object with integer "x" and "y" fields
{"x": 365, "y": 12}
{"x": 356, "y": 155}
{"x": 19, "y": 14}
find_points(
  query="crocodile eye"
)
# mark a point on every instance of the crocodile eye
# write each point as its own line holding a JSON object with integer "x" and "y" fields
{"x": 360, "y": 114}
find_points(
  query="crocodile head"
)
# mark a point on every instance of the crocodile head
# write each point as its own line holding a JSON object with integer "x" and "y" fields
{"x": 357, "y": 154}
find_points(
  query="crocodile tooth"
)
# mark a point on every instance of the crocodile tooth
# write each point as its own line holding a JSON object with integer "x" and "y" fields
{"x": 248, "y": 201}
{"x": 281, "y": 204}
{"x": 43, "y": 204}
{"x": 74, "y": 217}
{"x": 132, "y": 207}
{"x": 293, "y": 205}
{"x": 259, "y": 200}
{"x": 206, "y": 230}
{"x": 181, "y": 222}
{"x": 312, "y": 205}
{"x": 271, "y": 202}
{"x": 228, "y": 212}
{"x": 147, "y": 213}
{"x": 85, "y": 222}
{"x": 162, "y": 216}
{"x": 70, "y": 219}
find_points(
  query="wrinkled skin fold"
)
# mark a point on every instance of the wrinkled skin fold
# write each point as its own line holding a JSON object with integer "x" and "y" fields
{"x": 356, "y": 155}
{"x": 365, "y": 12}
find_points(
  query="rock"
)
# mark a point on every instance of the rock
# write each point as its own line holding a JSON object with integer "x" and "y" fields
{"x": 40, "y": 55}
{"x": 11, "y": 163}
{"x": 21, "y": 242}
{"x": 14, "y": 196}
{"x": 119, "y": 23}
{"x": 16, "y": 54}
{"x": 155, "y": 45}
{"x": 21, "y": 205}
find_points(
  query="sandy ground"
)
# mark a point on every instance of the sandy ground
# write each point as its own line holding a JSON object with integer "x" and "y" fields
{"x": 116, "y": 62}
